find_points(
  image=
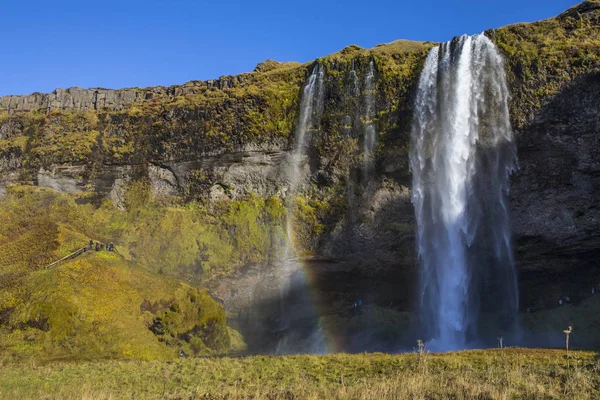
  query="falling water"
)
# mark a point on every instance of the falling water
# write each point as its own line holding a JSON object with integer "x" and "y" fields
{"x": 462, "y": 154}
{"x": 354, "y": 78}
{"x": 298, "y": 317}
{"x": 369, "y": 141}
{"x": 311, "y": 106}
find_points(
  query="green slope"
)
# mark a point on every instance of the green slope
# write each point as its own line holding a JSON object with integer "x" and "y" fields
{"x": 97, "y": 305}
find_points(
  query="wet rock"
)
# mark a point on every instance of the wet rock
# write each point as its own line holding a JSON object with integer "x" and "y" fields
{"x": 65, "y": 179}
{"x": 163, "y": 182}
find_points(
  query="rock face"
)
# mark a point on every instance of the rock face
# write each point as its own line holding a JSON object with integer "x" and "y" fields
{"x": 76, "y": 98}
{"x": 73, "y": 98}
{"x": 555, "y": 196}
{"x": 224, "y": 139}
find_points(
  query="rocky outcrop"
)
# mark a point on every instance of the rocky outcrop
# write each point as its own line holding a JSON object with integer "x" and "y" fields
{"x": 73, "y": 98}
{"x": 576, "y": 12}
{"x": 79, "y": 99}
{"x": 222, "y": 176}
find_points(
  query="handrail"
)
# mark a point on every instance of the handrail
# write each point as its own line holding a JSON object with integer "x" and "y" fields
{"x": 72, "y": 255}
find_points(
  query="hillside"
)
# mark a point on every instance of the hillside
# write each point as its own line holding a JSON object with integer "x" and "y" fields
{"x": 98, "y": 305}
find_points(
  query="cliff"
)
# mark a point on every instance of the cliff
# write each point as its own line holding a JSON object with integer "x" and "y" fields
{"x": 76, "y": 98}
{"x": 225, "y": 144}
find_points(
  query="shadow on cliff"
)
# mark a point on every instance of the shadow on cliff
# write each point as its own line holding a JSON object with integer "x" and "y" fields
{"x": 556, "y": 206}
{"x": 331, "y": 307}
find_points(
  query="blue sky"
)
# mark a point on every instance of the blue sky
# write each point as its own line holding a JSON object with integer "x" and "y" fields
{"x": 114, "y": 44}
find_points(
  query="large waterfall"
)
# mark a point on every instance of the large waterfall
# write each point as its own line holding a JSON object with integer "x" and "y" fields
{"x": 299, "y": 321}
{"x": 462, "y": 154}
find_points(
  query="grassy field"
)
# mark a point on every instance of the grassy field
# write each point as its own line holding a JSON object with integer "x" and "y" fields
{"x": 490, "y": 374}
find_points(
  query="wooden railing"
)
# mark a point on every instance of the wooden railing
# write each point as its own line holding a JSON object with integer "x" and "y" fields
{"x": 67, "y": 258}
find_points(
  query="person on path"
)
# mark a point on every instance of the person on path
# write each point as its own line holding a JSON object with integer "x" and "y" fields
{"x": 91, "y": 244}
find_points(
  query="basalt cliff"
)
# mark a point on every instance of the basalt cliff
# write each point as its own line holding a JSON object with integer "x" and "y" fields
{"x": 223, "y": 148}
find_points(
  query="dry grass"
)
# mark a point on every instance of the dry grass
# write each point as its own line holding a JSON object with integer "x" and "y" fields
{"x": 522, "y": 373}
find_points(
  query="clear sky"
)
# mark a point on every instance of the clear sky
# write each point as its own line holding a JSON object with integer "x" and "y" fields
{"x": 113, "y": 44}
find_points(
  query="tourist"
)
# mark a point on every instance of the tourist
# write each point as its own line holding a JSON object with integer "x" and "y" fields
{"x": 97, "y": 246}
{"x": 91, "y": 244}
{"x": 111, "y": 246}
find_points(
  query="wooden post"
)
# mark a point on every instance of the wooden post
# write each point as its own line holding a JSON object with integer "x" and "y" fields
{"x": 567, "y": 332}
{"x": 501, "y": 341}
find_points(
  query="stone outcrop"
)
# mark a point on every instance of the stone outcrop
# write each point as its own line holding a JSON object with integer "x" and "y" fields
{"x": 79, "y": 99}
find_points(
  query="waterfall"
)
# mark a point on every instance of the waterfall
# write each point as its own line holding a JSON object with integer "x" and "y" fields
{"x": 311, "y": 106}
{"x": 298, "y": 318}
{"x": 354, "y": 79}
{"x": 369, "y": 140}
{"x": 461, "y": 156}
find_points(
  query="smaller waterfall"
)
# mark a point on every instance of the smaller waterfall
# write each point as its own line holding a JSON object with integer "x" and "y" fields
{"x": 370, "y": 133}
{"x": 298, "y": 318}
{"x": 311, "y": 106}
{"x": 354, "y": 79}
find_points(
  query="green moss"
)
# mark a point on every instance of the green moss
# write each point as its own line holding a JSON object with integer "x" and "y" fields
{"x": 193, "y": 321}
{"x": 63, "y": 136}
{"x": 542, "y": 57}
{"x": 308, "y": 216}
{"x": 237, "y": 341}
